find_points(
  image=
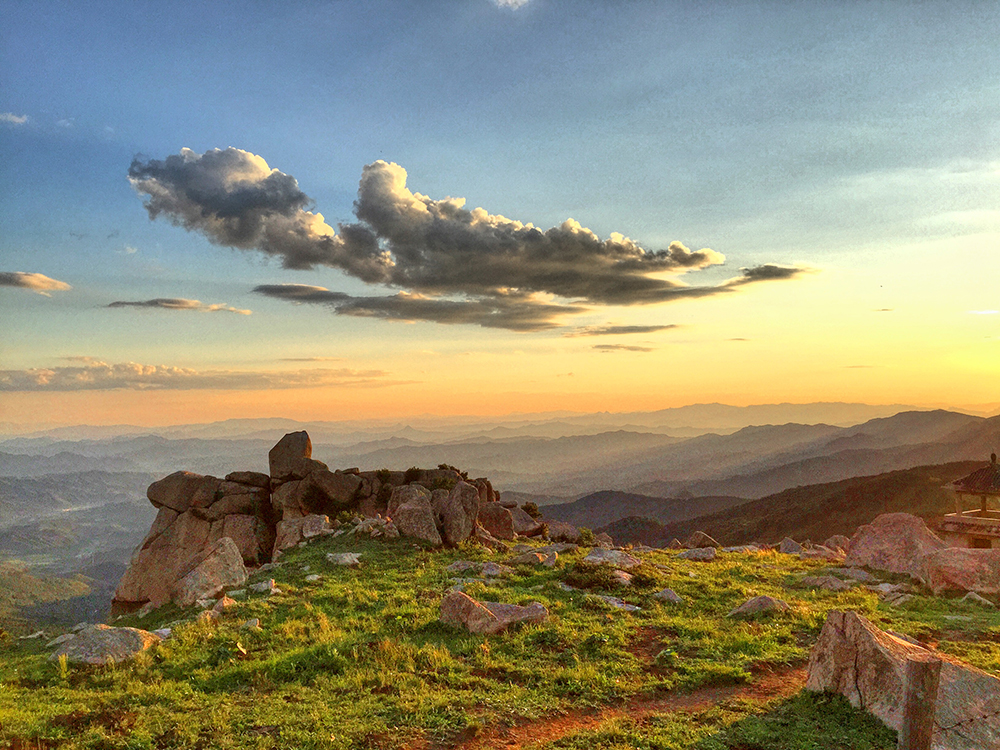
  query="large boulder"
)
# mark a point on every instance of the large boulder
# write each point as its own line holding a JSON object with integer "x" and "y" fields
{"x": 893, "y": 542}
{"x": 286, "y": 452}
{"x": 182, "y": 490}
{"x": 560, "y": 531}
{"x": 253, "y": 537}
{"x": 417, "y": 520}
{"x": 408, "y": 494}
{"x": 524, "y": 524}
{"x": 220, "y": 565}
{"x": 959, "y": 569}
{"x": 330, "y": 492}
{"x": 102, "y": 644}
{"x": 867, "y": 666}
{"x": 458, "y": 513}
{"x": 461, "y": 610}
{"x": 497, "y": 520}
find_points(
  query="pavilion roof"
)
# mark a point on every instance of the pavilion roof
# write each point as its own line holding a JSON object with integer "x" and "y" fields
{"x": 984, "y": 481}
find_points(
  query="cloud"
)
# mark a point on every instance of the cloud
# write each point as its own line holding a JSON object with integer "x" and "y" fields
{"x": 95, "y": 375}
{"x": 984, "y": 312}
{"x": 617, "y": 330}
{"x": 512, "y": 4}
{"x": 622, "y": 348}
{"x": 453, "y": 264}
{"x": 36, "y": 282}
{"x": 181, "y": 304}
{"x": 11, "y": 119}
{"x": 767, "y": 272}
{"x": 513, "y": 312}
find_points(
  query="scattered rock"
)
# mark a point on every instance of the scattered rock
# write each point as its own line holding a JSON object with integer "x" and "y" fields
{"x": 701, "y": 539}
{"x": 102, "y": 644}
{"x": 668, "y": 595}
{"x": 527, "y": 558}
{"x": 758, "y": 605}
{"x": 857, "y": 660}
{"x": 699, "y": 554}
{"x": 344, "y": 558}
{"x": 146, "y": 610}
{"x": 32, "y": 636}
{"x": 252, "y": 624}
{"x": 313, "y": 577}
{"x": 960, "y": 569}
{"x": 789, "y": 546}
{"x": 858, "y": 574}
{"x": 224, "y": 603}
{"x": 458, "y": 514}
{"x": 560, "y": 548}
{"x": 894, "y": 542}
{"x": 838, "y": 542}
{"x": 604, "y": 540}
{"x": 829, "y": 583}
{"x": 489, "y": 541}
{"x": 460, "y": 566}
{"x": 417, "y": 520}
{"x": 621, "y": 578}
{"x": 676, "y": 543}
{"x": 524, "y": 524}
{"x": 208, "y": 617}
{"x": 494, "y": 570}
{"x": 251, "y": 478}
{"x": 560, "y": 531}
{"x": 742, "y": 548}
{"x": 617, "y": 603}
{"x": 563, "y": 586}
{"x": 204, "y": 603}
{"x": 264, "y": 587}
{"x": 163, "y": 633}
{"x": 294, "y": 530}
{"x": 461, "y": 610}
{"x": 617, "y": 558}
{"x": 819, "y": 552}
{"x": 973, "y": 598}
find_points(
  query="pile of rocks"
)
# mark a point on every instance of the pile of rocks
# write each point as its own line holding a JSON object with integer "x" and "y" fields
{"x": 209, "y": 530}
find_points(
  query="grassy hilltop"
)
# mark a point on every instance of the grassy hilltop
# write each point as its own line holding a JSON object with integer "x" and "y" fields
{"x": 359, "y": 659}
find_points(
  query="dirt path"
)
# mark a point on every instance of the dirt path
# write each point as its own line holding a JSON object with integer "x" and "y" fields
{"x": 780, "y": 683}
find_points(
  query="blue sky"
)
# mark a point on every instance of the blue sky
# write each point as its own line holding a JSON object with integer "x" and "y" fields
{"x": 855, "y": 141}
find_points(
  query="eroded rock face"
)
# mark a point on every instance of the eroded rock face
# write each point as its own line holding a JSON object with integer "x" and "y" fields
{"x": 497, "y": 520}
{"x": 893, "y": 542}
{"x": 461, "y": 610}
{"x": 102, "y": 644}
{"x": 417, "y": 520}
{"x": 524, "y": 524}
{"x": 458, "y": 514}
{"x": 220, "y": 565}
{"x": 701, "y": 539}
{"x": 867, "y": 666}
{"x": 181, "y": 490}
{"x": 291, "y": 531}
{"x": 958, "y": 569}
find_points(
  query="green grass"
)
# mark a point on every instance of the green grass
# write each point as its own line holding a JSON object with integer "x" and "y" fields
{"x": 360, "y": 660}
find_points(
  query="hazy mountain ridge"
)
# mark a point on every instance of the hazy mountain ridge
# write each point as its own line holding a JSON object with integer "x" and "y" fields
{"x": 607, "y": 506}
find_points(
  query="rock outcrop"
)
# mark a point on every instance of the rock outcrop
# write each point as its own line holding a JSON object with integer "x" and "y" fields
{"x": 263, "y": 514}
{"x": 868, "y": 666}
{"x": 893, "y": 542}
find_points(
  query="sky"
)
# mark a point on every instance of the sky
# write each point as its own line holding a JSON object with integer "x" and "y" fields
{"x": 372, "y": 209}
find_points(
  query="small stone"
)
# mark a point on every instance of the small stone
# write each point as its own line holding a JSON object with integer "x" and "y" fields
{"x": 264, "y": 587}
{"x": 163, "y": 633}
{"x": 617, "y": 603}
{"x": 82, "y": 626}
{"x": 621, "y": 578}
{"x": 563, "y": 586}
{"x": 757, "y": 605}
{"x": 33, "y": 636}
{"x": 252, "y": 624}
{"x": 617, "y": 558}
{"x": 973, "y": 598}
{"x": 789, "y": 546}
{"x": 145, "y": 610}
{"x": 493, "y": 570}
{"x": 701, "y": 539}
{"x": 313, "y": 577}
{"x": 238, "y": 593}
{"x": 668, "y": 595}
{"x": 829, "y": 583}
{"x": 344, "y": 558}
{"x": 209, "y": 616}
{"x": 224, "y": 603}
{"x": 460, "y": 566}
{"x": 205, "y": 603}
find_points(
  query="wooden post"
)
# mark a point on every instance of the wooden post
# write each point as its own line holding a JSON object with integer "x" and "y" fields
{"x": 923, "y": 673}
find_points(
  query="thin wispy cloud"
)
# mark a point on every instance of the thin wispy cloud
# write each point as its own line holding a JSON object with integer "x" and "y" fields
{"x": 512, "y": 4}
{"x": 95, "y": 375}
{"x": 35, "y": 282}
{"x": 622, "y": 348}
{"x": 180, "y": 304}
{"x": 12, "y": 119}
{"x": 310, "y": 359}
{"x": 616, "y": 330}
{"x": 984, "y": 312}
{"x": 454, "y": 265}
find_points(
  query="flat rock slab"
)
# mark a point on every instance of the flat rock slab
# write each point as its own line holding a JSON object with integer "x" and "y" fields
{"x": 103, "y": 644}
{"x": 614, "y": 557}
{"x": 867, "y": 666}
{"x": 461, "y": 610}
{"x": 668, "y": 595}
{"x": 830, "y": 583}
{"x": 617, "y": 603}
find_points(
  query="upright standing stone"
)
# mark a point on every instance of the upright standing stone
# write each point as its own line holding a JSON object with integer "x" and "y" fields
{"x": 283, "y": 458}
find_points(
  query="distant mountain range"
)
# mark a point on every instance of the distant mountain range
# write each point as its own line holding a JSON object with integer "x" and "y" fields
{"x": 814, "y": 513}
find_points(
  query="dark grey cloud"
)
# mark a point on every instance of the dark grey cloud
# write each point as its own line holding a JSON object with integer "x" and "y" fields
{"x": 94, "y": 375}
{"x": 617, "y": 330}
{"x": 512, "y": 312}
{"x": 35, "y": 282}
{"x": 454, "y": 264}
{"x": 766, "y": 272}
{"x": 180, "y": 304}
{"x": 621, "y": 348}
